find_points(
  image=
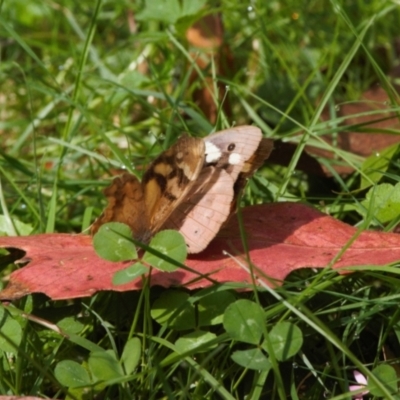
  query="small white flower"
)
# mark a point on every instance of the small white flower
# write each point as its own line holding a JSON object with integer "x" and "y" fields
{"x": 362, "y": 383}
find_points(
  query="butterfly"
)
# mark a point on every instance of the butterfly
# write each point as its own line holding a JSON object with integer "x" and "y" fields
{"x": 191, "y": 187}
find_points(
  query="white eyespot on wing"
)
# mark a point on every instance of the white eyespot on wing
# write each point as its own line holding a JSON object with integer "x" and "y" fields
{"x": 245, "y": 138}
{"x": 213, "y": 153}
{"x": 235, "y": 158}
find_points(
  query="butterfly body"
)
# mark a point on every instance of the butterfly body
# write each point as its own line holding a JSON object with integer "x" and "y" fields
{"x": 190, "y": 187}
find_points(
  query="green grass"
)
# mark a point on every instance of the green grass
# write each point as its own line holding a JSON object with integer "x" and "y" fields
{"x": 83, "y": 92}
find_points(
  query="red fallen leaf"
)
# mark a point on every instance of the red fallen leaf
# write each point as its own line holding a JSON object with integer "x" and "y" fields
{"x": 20, "y": 398}
{"x": 358, "y": 117}
{"x": 282, "y": 237}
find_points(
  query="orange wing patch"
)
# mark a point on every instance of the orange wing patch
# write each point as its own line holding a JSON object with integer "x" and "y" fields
{"x": 144, "y": 206}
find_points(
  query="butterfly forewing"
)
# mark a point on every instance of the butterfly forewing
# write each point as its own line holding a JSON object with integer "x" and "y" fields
{"x": 170, "y": 177}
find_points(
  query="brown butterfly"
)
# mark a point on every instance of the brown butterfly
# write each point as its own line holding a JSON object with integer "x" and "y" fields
{"x": 191, "y": 187}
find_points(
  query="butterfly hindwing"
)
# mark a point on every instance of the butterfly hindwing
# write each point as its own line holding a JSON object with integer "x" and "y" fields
{"x": 125, "y": 204}
{"x": 206, "y": 208}
{"x": 145, "y": 206}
